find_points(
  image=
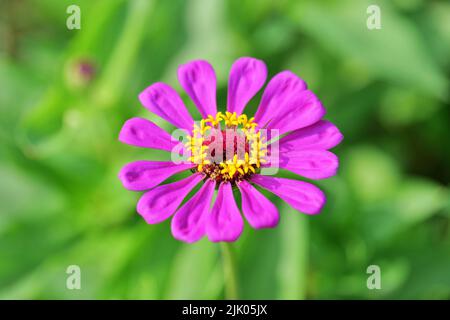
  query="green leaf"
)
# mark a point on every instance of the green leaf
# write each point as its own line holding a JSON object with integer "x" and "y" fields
{"x": 396, "y": 52}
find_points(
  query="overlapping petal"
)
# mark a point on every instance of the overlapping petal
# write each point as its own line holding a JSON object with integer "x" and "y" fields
{"x": 144, "y": 175}
{"x": 281, "y": 91}
{"x": 225, "y": 222}
{"x": 302, "y": 196}
{"x": 257, "y": 209}
{"x": 198, "y": 79}
{"x": 301, "y": 111}
{"x": 189, "y": 221}
{"x": 247, "y": 76}
{"x": 164, "y": 101}
{"x": 161, "y": 202}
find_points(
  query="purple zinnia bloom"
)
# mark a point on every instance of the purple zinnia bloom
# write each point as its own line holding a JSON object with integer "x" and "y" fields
{"x": 229, "y": 151}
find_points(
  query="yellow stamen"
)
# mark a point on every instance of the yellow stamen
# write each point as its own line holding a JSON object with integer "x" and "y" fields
{"x": 235, "y": 168}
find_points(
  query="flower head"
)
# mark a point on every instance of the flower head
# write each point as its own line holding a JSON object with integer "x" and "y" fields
{"x": 229, "y": 150}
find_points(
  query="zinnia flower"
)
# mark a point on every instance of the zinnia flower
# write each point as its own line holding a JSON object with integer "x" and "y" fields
{"x": 229, "y": 150}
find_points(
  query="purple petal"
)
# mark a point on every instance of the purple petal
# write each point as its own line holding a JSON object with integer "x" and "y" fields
{"x": 144, "y": 133}
{"x": 282, "y": 89}
{"x": 257, "y": 209}
{"x": 300, "y": 195}
{"x": 165, "y": 102}
{"x": 188, "y": 224}
{"x": 161, "y": 202}
{"x": 144, "y": 175}
{"x": 312, "y": 164}
{"x": 322, "y": 135}
{"x": 199, "y": 81}
{"x": 225, "y": 222}
{"x": 303, "y": 110}
{"x": 247, "y": 76}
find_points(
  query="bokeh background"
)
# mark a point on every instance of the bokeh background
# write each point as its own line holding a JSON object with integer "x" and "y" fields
{"x": 64, "y": 95}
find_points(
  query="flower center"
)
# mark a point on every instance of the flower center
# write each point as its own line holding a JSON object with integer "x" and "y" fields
{"x": 227, "y": 147}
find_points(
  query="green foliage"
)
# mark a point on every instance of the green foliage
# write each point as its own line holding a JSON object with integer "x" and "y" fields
{"x": 62, "y": 204}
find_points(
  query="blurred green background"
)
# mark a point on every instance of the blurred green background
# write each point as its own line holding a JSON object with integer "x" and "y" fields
{"x": 64, "y": 95}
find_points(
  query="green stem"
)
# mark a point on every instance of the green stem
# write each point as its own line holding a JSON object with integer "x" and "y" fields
{"x": 293, "y": 260}
{"x": 229, "y": 270}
